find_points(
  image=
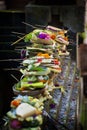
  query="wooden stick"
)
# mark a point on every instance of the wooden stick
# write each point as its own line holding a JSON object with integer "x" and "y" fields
{"x": 14, "y": 77}
{"x": 5, "y": 60}
{"x": 18, "y": 33}
{"x": 21, "y": 38}
{"x": 40, "y": 25}
{"x": 29, "y": 25}
{"x": 18, "y": 40}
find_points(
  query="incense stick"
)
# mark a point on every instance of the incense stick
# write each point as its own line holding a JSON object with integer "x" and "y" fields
{"x": 29, "y": 24}
{"x": 14, "y": 77}
{"x": 4, "y": 60}
{"x": 21, "y": 38}
{"x": 18, "y": 33}
{"x": 40, "y": 25}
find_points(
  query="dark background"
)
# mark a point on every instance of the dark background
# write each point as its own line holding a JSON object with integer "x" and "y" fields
{"x": 11, "y": 21}
{"x": 20, "y": 4}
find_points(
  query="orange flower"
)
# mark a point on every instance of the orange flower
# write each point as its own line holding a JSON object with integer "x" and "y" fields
{"x": 66, "y": 38}
{"x": 43, "y": 80}
{"x": 15, "y": 102}
{"x": 53, "y": 36}
{"x": 46, "y": 55}
{"x": 61, "y": 32}
{"x": 39, "y": 54}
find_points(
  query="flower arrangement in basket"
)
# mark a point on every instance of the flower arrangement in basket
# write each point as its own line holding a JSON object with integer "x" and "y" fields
{"x": 26, "y": 112}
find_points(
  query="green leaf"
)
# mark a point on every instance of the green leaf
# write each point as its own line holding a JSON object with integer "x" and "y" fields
{"x": 28, "y": 37}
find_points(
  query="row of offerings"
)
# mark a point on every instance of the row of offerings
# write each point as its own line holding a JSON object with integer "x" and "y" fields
{"x": 43, "y": 57}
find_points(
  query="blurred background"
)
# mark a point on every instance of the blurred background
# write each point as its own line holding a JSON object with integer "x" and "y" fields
{"x": 67, "y": 14}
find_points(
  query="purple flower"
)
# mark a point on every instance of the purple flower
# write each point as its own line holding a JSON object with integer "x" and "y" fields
{"x": 34, "y": 115}
{"x": 15, "y": 124}
{"x": 52, "y": 105}
{"x": 23, "y": 54}
{"x": 43, "y": 36}
{"x": 30, "y": 82}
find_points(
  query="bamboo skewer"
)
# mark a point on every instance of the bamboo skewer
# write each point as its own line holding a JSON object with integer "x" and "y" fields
{"x": 29, "y": 25}
{"x": 14, "y": 77}
{"x": 18, "y": 33}
{"x": 40, "y": 26}
{"x": 21, "y": 38}
{"x": 4, "y": 60}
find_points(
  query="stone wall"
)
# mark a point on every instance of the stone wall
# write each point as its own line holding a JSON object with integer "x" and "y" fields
{"x": 70, "y": 16}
